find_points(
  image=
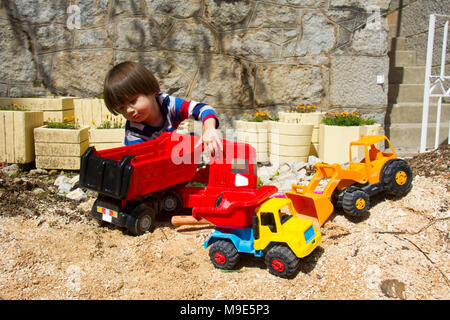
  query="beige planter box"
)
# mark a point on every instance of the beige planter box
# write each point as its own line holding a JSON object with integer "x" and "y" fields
{"x": 289, "y": 141}
{"x": 106, "y": 138}
{"x": 60, "y": 148}
{"x": 255, "y": 134}
{"x": 92, "y": 112}
{"x": 335, "y": 142}
{"x": 313, "y": 118}
{"x": 54, "y": 108}
{"x": 190, "y": 126}
{"x": 16, "y": 135}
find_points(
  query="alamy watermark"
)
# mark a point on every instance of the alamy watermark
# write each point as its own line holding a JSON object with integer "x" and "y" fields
{"x": 74, "y": 18}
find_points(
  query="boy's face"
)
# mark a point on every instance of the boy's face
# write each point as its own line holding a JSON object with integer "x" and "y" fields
{"x": 142, "y": 108}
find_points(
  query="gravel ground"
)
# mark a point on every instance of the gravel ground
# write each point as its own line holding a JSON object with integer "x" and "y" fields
{"x": 52, "y": 249}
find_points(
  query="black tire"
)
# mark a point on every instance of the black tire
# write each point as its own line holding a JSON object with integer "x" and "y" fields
{"x": 144, "y": 220}
{"x": 397, "y": 177}
{"x": 224, "y": 255}
{"x": 336, "y": 198}
{"x": 282, "y": 262}
{"x": 355, "y": 203}
{"x": 171, "y": 202}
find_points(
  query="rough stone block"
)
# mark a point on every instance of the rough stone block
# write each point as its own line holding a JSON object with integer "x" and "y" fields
{"x": 290, "y": 84}
{"x": 354, "y": 81}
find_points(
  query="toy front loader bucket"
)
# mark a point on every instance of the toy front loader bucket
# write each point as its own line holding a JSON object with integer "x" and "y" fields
{"x": 314, "y": 205}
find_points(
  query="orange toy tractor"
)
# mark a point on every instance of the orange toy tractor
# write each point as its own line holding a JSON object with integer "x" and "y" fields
{"x": 352, "y": 187}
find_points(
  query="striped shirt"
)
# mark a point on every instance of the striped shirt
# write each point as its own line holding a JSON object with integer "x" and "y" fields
{"x": 174, "y": 110}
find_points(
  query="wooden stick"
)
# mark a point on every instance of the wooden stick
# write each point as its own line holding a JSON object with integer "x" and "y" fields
{"x": 187, "y": 220}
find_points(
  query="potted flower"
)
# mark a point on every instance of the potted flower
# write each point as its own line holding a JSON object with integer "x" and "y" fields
{"x": 60, "y": 144}
{"x": 16, "y": 133}
{"x": 108, "y": 134}
{"x": 253, "y": 129}
{"x": 337, "y": 130}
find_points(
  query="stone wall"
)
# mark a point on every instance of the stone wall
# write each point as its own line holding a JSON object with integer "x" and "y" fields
{"x": 237, "y": 55}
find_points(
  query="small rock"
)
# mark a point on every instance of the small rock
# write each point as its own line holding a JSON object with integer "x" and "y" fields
{"x": 86, "y": 206}
{"x": 287, "y": 181}
{"x": 284, "y": 168}
{"x": 60, "y": 180}
{"x": 77, "y": 194}
{"x": 36, "y": 172}
{"x": 17, "y": 181}
{"x": 266, "y": 173}
{"x": 297, "y": 165}
{"x": 12, "y": 170}
{"x": 39, "y": 192}
{"x": 301, "y": 175}
{"x": 64, "y": 185}
{"x": 393, "y": 288}
{"x": 74, "y": 181}
{"x": 313, "y": 160}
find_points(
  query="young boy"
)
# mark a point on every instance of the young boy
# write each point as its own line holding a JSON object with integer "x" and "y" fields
{"x": 132, "y": 90}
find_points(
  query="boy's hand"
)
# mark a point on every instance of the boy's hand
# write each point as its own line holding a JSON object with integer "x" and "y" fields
{"x": 211, "y": 141}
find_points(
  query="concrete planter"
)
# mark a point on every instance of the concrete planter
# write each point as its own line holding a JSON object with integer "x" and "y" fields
{"x": 289, "y": 141}
{"x": 16, "y": 135}
{"x": 60, "y": 148}
{"x": 106, "y": 138}
{"x": 313, "y": 118}
{"x": 189, "y": 126}
{"x": 335, "y": 141}
{"x": 255, "y": 134}
{"x": 54, "y": 108}
{"x": 92, "y": 112}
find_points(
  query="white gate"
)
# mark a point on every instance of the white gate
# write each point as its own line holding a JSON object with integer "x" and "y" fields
{"x": 435, "y": 85}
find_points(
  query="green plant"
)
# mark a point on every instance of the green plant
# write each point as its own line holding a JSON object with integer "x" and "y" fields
{"x": 259, "y": 117}
{"x": 303, "y": 108}
{"x": 65, "y": 124}
{"x": 346, "y": 119}
{"x": 13, "y": 107}
{"x": 111, "y": 123}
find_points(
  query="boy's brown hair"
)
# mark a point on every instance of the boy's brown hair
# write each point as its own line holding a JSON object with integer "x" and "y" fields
{"x": 126, "y": 80}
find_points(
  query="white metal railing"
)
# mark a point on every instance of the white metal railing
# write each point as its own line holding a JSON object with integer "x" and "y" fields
{"x": 434, "y": 83}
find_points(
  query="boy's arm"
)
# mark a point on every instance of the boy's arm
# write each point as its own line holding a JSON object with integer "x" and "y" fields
{"x": 194, "y": 110}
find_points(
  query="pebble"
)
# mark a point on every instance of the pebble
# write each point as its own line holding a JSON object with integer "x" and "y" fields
{"x": 77, "y": 194}
{"x": 11, "y": 170}
{"x": 35, "y": 172}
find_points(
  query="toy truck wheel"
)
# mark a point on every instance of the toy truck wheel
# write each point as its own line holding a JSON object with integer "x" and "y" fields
{"x": 171, "y": 202}
{"x": 144, "y": 220}
{"x": 281, "y": 261}
{"x": 397, "y": 177}
{"x": 224, "y": 255}
{"x": 355, "y": 203}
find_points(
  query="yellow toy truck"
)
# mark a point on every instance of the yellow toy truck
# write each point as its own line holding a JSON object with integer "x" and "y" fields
{"x": 276, "y": 232}
{"x": 352, "y": 187}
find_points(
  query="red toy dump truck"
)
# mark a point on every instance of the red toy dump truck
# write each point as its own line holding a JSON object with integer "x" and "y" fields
{"x": 137, "y": 182}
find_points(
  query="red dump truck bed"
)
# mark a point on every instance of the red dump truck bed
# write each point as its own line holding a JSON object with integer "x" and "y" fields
{"x": 232, "y": 194}
{"x": 131, "y": 171}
